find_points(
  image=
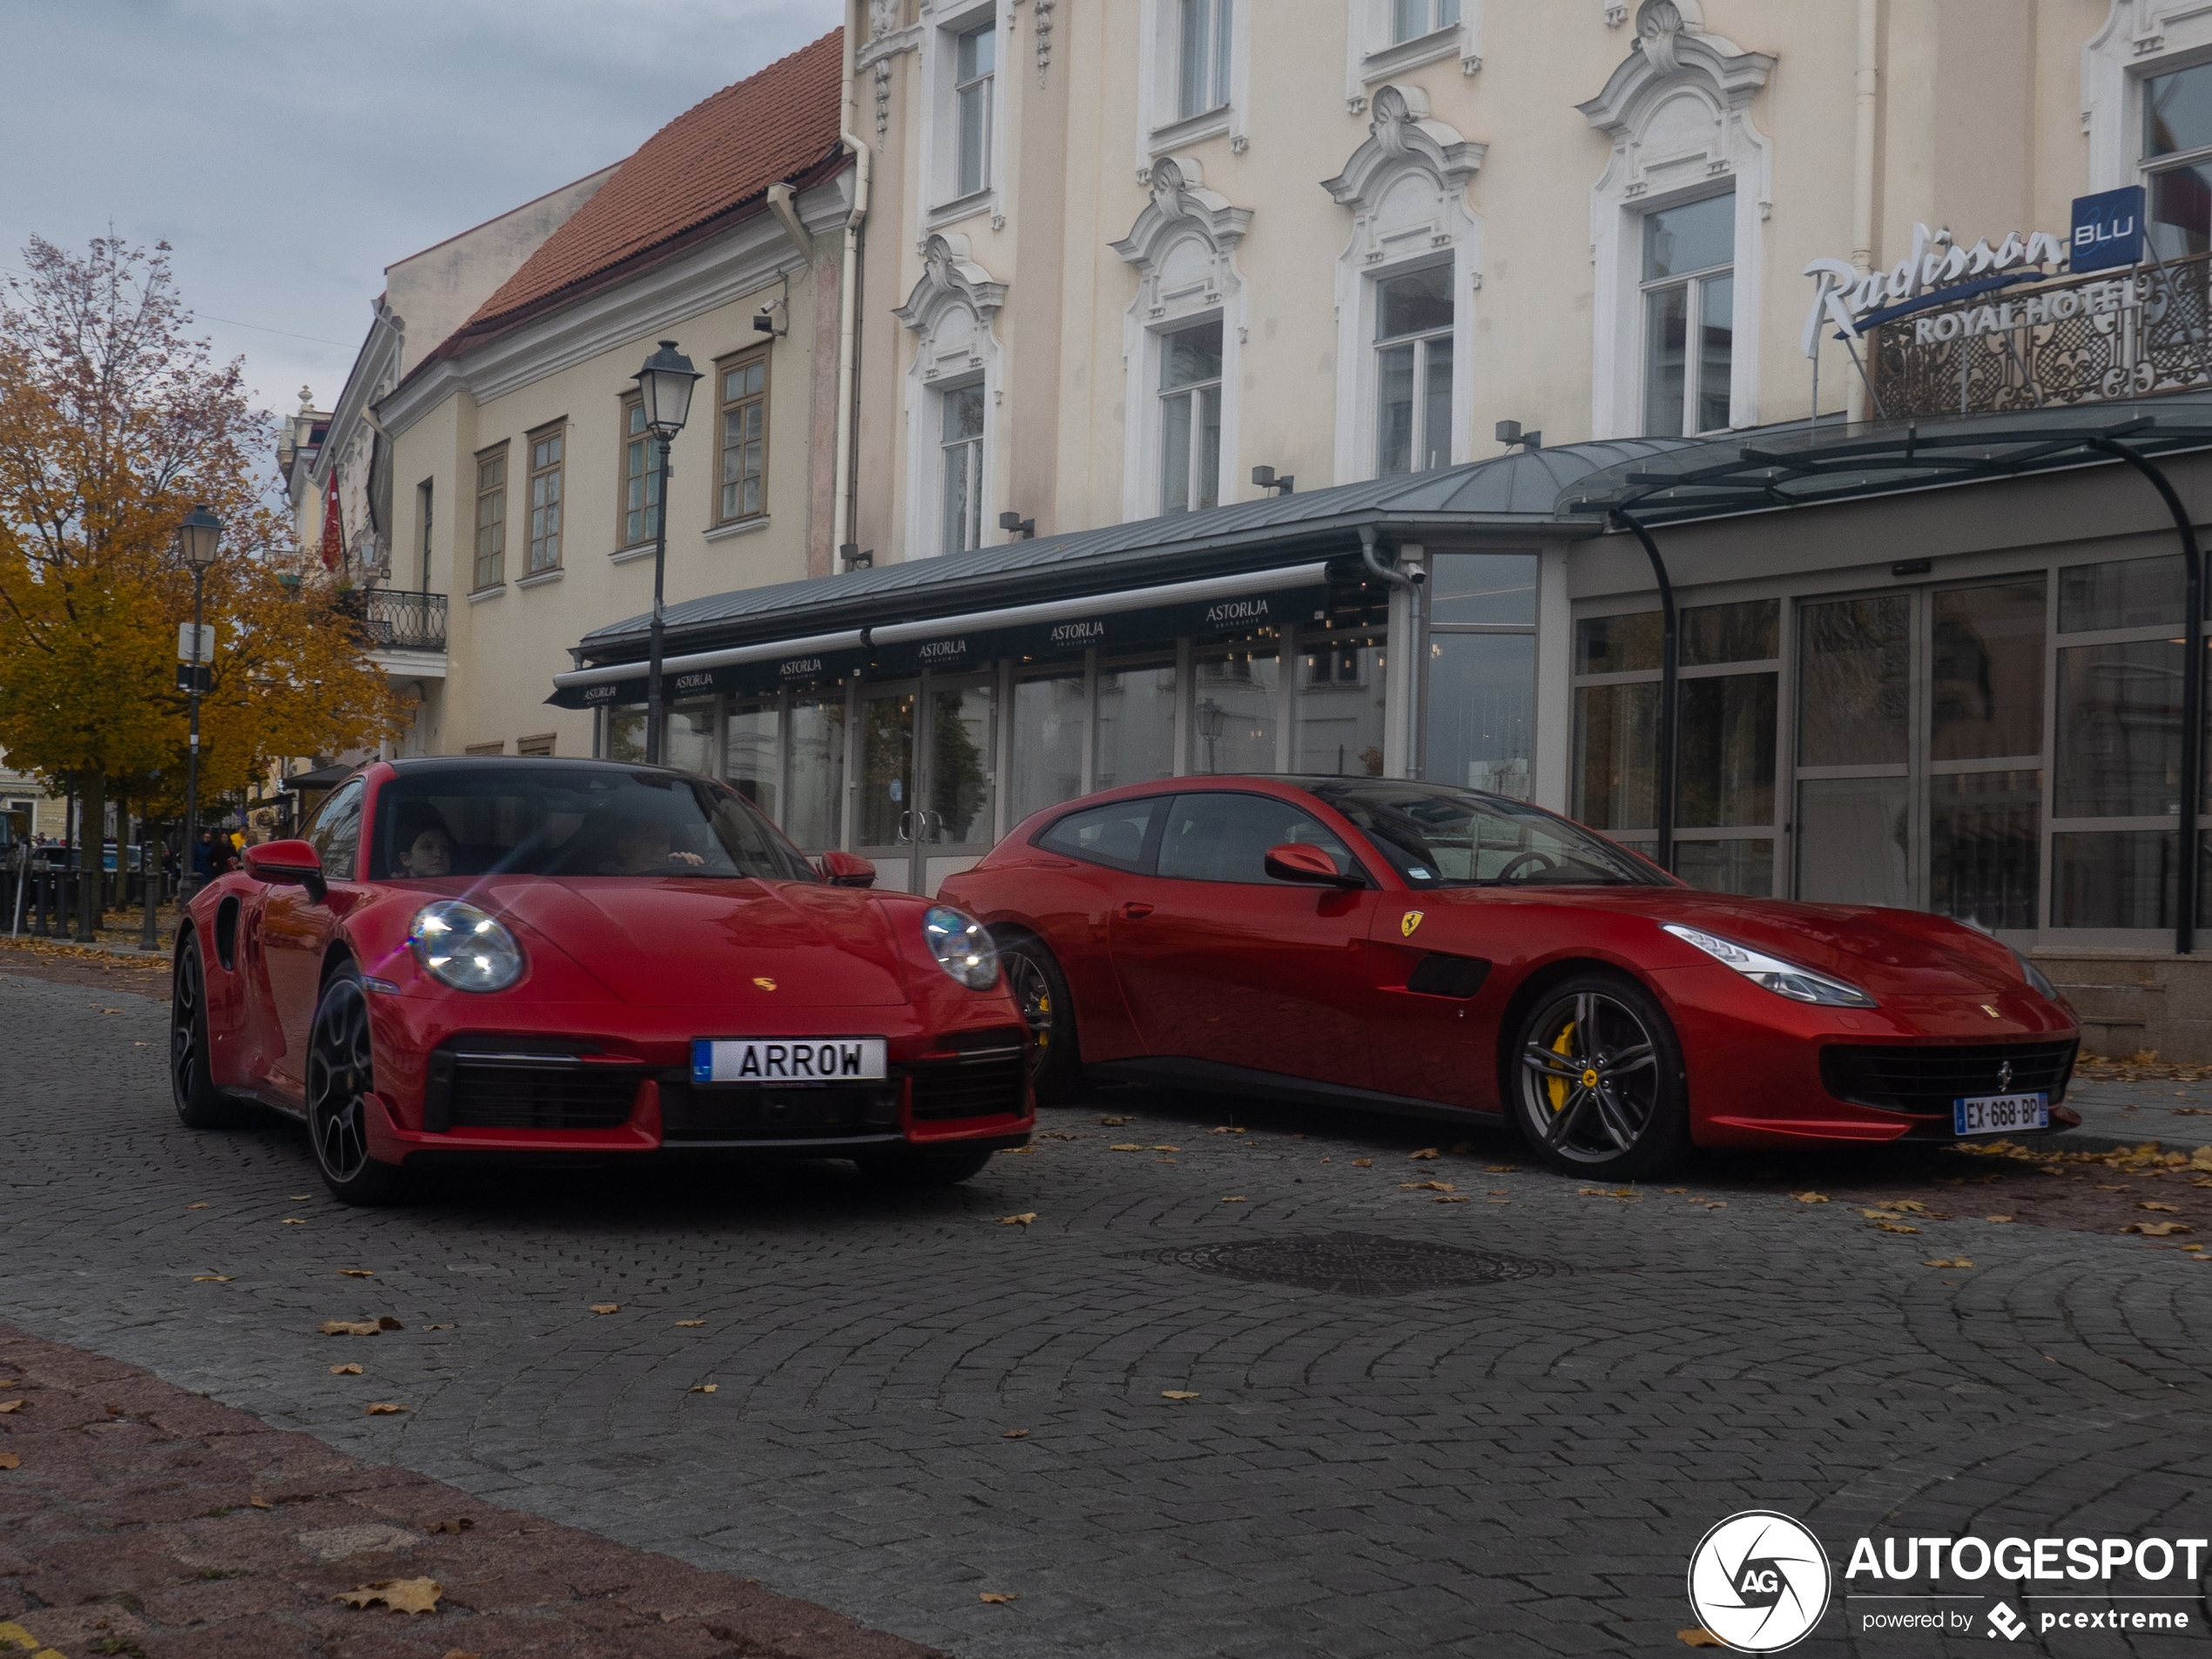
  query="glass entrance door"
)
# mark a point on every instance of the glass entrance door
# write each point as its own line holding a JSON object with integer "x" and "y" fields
{"x": 883, "y": 825}
{"x": 953, "y": 827}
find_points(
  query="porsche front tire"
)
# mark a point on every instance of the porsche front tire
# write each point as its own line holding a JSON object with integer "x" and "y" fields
{"x": 921, "y": 1172}
{"x": 1596, "y": 1085}
{"x": 192, "y": 1083}
{"x": 340, "y": 1078}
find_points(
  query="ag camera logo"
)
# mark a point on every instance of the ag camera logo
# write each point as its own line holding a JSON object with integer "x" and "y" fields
{"x": 1759, "y": 1582}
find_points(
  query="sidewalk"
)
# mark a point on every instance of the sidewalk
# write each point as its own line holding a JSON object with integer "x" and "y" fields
{"x": 138, "y": 1518}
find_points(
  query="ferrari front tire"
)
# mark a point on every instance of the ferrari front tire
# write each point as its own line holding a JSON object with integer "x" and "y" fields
{"x": 339, "y": 1077}
{"x": 192, "y": 1084}
{"x": 1597, "y": 1086}
{"x": 921, "y": 1172}
{"x": 1040, "y": 991}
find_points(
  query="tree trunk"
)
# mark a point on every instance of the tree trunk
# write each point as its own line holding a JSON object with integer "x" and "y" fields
{"x": 91, "y": 879}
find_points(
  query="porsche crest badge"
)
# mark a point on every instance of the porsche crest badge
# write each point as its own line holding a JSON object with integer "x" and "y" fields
{"x": 1407, "y": 922}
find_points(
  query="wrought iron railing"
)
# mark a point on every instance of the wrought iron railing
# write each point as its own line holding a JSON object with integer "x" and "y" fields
{"x": 2074, "y": 340}
{"x": 394, "y": 619}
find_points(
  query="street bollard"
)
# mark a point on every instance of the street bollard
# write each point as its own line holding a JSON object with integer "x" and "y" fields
{"x": 149, "y": 890}
{"x": 89, "y": 883}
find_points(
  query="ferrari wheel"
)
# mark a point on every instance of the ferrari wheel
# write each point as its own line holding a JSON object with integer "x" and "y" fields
{"x": 1055, "y": 1070}
{"x": 338, "y": 1080}
{"x": 199, "y": 1103}
{"x": 1600, "y": 1087}
{"x": 918, "y": 1171}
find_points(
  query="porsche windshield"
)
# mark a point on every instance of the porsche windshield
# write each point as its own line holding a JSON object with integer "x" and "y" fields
{"x": 583, "y": 820}
{"x": 1436, "y": 836}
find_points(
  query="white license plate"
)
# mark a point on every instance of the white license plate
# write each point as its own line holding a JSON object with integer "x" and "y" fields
{"x": 1996, "y": 1114}
{"x": 789, "y": 1060}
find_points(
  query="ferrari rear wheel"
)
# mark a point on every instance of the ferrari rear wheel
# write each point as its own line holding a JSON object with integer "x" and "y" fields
{"x": 338, "y": 1080}
{"x": 1600, "y": 1087}
{"x": 919, "y": 1171}
{"x": 199, "y": 1103}
{"x": 1040, "y": 988}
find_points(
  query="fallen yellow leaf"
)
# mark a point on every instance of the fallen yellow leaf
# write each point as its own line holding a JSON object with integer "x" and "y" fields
{"x": 999, "y": 1598}
{"x": 1996, "y": 1219}
{"x": 1700, "y": 1637}
{"x": 1426, "y": 1186}
{"x": 1499, "y": 1169}
{"x": 1942, "y": 1261}
{"x": 212, "y": 1279}
{"x": 384, "y": 1408}
{"x": 400, "y": 1595}
{"x": 702, "y": 1388}
{"x": 345, "y": 1371}
{"x": 10, "y": 1460}
{"x": 195, "y": 1206}
{"x": 2171, "y": 1208}
{"x": 1226, "y": 1130}
{"x": 298, "y": 1198}
{"x": 689, "y": 1325}
{"x": 1167, "y": 1148}
{"x": 256, "y": 1501}
{"x": 355, "y": 1272}
{"x": 293, "y": 1220}
{"x": 1021, "y": 1220}
{"x": 1113, "y": 1123}
{"x": 1425, "y": 1152}
{"x": 1453, "y": 1199}
{"x": 10, "y": 1405}
{"x": 1126, "y": 1146}
{"x": 1239, "y": 1198}
{"x": 1895, "y": 1227}
{"x": 1809, "y": 1198}
{"x": 1015, "y": 1435}
{"x": 1361, "y": 1164}
{"x": 2149, "y": 1228}
{"x": 1176, "y": 1394}
{"x": 606, "y": 1307}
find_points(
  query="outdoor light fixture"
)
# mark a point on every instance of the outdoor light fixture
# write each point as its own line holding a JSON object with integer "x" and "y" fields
{"x": 1024, "y": 527}
{"x": 1266, "y": 478}
{"x": 197, "y": 535}
{"x": 854, "y": 557}
{"x": 1509, "y": 434}
{"x": 664, "y": 389}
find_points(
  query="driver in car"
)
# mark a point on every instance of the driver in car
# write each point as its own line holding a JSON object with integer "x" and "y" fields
{"x": 427, "y": 851}
{"x": 642, "y": 848}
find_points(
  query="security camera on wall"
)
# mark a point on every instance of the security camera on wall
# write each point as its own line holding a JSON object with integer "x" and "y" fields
{"x": 769, "y": 320}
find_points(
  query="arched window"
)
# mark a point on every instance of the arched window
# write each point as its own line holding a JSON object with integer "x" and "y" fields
{"x": 951, "y": 400}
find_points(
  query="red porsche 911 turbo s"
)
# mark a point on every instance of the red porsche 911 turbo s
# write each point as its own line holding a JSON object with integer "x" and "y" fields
{"x": 1434, "y": 950}
{"x": 471, "y": 960}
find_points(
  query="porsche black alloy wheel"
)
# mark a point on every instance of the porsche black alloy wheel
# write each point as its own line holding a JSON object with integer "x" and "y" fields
{"x": 338, "y": 1078}
{"x": 1598, "y": 1089}
{"x": 1041, "y": 993}
{"x": 199, "y": 1103}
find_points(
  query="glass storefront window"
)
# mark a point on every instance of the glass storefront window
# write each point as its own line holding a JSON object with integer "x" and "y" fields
{"x": 752, "y": 759}
{"x": 2112, "y": 879}
{"x": 1619, "y": 644}
{"x": 1853, "y": 844}
{"x": 887, "y": 769}
{"x": 1048, "y": 744}
{"x": 1746, "y": 633}
{"x": 1725, "y": 775}
{"x": 813, "y": 813}
{"x": 626, "y": 734}
{"x": 959, "y": 765}
{"x": 689, "y": 744}
{"x": 1617, "y": 745}
{"x": 2121, "y": 593}
{"x": 1984, "y": 843}
{"x": 1494, "y": 588}
{"x": 1726, "y": 866}
{"x": 1985, "y": 671}
{"x": 1481, "y": 695}
{"x": 1136, "y": 726}
{"x": 2120, "y": 731}
{"x": 1855, "y": 679}
{"x": 1340, "y": 709}
{"x": 1235, "y": 712}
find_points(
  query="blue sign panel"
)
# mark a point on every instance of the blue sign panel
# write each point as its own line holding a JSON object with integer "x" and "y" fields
{"x": 2107, "y": 229}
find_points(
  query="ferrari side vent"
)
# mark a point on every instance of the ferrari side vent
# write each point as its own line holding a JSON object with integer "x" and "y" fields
{"x": 989, "y": 1079}
{"x": 1439, "y": 974}
{"x": 1927, "y": 1078}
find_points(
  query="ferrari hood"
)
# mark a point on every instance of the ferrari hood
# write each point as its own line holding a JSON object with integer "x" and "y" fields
{"x": 690, "y": 943}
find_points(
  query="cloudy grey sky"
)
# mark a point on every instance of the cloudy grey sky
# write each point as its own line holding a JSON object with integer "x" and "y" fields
{"x": 291, "y": 149}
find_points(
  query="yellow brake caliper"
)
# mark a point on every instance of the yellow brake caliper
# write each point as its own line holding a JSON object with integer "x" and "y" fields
{"x": 1557, "y": 1086}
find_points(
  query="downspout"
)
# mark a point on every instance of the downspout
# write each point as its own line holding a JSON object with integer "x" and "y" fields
{"x": 1865, "y": 118}
{"x": 1670, "y": 661}
{"x": 849, "y": 355}
{"x": 1416, "y": 691}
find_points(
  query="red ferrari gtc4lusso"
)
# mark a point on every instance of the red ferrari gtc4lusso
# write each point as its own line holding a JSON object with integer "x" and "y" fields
{"x": 471, "y": 960}
{"x": 1436, "y": 950}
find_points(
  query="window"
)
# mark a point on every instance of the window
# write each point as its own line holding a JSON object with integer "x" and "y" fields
{"x": 1410, "y": 19}
{"x": 976, "y": 59}
{"x": 540, "y": 745}
{"x": 1236, "y": 712}
{"x": 491, "y": 519}
{"x": 423, "y": 502}
{"x": 1413, "y": 370}
{"x": 814, "y": 815}
{"x": 1049, "y": 715}
{"x": 1482, "y": 669}
{"x": 545, "y": 501}
{"x": 640, "y": 477}
{"x": 336, "y": 834}
{"x": 751, "y": 762}
{"x": 1202, "y": 56}
{"x": 495, "y": 748}
{"x": 1190, "y": 418}
{"x": 744, "y": 438}
{"x": 1688, "y": 317}
{"x": 1221, "y": 837}
{"x": 2177, "y": 160}
{"x": 963, "y": 463}
{"x": 1112, "y": 834}
{"x": 1136, "y": 726}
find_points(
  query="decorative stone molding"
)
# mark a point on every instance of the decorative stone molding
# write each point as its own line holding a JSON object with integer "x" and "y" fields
{"x": 1401, "y": 138}
{"x": 1181, "y": 205}
{"x": 951, "y": 281}
{"x": 887, "y": 40}
{"x": 2137, "y": 36}
{"x": 1671, "y": 53}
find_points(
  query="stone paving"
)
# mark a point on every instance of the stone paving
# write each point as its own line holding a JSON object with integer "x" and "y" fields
{"x": 1520, "y": 1466}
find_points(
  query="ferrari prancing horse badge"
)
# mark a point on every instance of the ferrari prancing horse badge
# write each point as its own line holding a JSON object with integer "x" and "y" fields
{"x": 1407, "y": 922}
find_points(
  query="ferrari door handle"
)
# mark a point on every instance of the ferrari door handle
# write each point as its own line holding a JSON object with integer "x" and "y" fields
{"x": 1135, "y": 910}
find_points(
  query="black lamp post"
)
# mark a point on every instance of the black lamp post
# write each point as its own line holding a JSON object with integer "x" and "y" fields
{"x": 664, "y": 387}
{"x": 196, "y": 540}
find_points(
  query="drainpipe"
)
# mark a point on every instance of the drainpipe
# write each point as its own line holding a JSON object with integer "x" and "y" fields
{"x": 1669, "y": 660}
{"x": 1416, "y": 663}
{"x": 848, "y": 355}
{"x": 1866, "y": 118}
{"x": 2185, "y": 874}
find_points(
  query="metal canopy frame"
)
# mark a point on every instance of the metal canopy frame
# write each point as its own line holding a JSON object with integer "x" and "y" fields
{"x": 1810, "y": 466}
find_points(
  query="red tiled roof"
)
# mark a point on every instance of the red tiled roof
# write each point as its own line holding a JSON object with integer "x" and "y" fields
{"x": 717, "y": 156}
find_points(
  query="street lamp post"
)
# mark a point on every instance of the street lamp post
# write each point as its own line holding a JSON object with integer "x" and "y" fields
{"x": 196, "y": 540}
{"x": 664, "y": 387}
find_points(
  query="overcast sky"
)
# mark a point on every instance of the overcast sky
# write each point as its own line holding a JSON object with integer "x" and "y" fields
{"x": 290, "y": 149}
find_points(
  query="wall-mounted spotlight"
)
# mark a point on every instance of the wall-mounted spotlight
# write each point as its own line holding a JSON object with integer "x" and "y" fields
{"x": 1266, "y": 478}
{"x": 854, "y": 557}
{"x": 1024, "y": 527}
{"x": 1509, "y": 434}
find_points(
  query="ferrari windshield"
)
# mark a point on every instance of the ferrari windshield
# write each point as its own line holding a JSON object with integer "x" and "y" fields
{"x": 523, "y": 819}
{"x": 1436, "y": 836}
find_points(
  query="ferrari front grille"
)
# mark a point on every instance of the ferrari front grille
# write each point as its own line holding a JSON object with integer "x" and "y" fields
{"x": 989, "y": 1078}
{"x": 1926, "y": 1079}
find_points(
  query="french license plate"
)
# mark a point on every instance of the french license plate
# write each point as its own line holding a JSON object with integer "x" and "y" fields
{"x": 1997, "y": 1114}
{"x": 789, "y": 1060}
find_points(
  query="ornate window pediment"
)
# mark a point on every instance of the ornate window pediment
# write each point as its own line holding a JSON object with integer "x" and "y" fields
{"x": 1403, "y": 138}
{"x": 952, "y": 307}
{"x": 1670, "y": 104}
{"x": 1183, "y": 241}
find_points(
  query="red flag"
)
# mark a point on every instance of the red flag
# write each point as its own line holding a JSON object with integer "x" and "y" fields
{"x": 333, "y": 527}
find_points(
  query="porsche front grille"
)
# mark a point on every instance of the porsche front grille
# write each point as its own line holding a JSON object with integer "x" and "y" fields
{"x": 988, "y": 1079}
{"x": 527, "y": 1089}
{"x": 1926, "y": 1079}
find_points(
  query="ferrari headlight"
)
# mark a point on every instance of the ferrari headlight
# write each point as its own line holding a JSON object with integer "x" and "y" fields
{"x": 1784, "y": 978}
{"x": 464, "y": 948}
{"x": 2037, "y": 979}
{"x": 961, "y": 946}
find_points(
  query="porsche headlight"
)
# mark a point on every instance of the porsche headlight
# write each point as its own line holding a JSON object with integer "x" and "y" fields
{"x": 2037, "y": 979}
{"x": 1784, "y": 978}
{"x": 463, "y": 947}
{"x": 961, "y": 946}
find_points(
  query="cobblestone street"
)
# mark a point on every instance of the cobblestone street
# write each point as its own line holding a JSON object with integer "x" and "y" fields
{"x": 916, "y": 1400}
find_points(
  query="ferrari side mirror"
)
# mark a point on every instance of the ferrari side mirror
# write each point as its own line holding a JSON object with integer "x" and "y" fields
{"x": 843, "y": 869}
{"x": 1297, "y": 861}
{"x": 288, "y": 864}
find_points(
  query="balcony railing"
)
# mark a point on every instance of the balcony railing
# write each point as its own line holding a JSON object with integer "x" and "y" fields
{"x": 394, "y": 619}
{"x": 2075, "y": 340}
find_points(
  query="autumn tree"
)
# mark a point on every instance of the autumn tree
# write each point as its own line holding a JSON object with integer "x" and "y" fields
{"x": 114, "y": 423}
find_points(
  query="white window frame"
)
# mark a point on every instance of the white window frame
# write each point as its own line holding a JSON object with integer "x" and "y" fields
{"x": 950, "y": 312}
{"x": 945, "y": 201}
{"x": 1193, "y": 392}
{"x": 1694, "y": 281}
{"x": 1417, "y": 441}
{"x": 973, "y": 464}
{"x": 1374, "y": 52}
{"x": 1163, "y": 125}
{"x": 2139, "y": 39}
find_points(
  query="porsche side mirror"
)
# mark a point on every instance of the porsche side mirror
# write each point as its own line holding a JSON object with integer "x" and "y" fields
{"x": 1296, "y": 861}
{"x": 288, "y": 864}
{"x": 843, "y": 869}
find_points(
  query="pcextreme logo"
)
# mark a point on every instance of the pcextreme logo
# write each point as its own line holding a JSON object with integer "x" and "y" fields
{"x": 1759, "y": 1582}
